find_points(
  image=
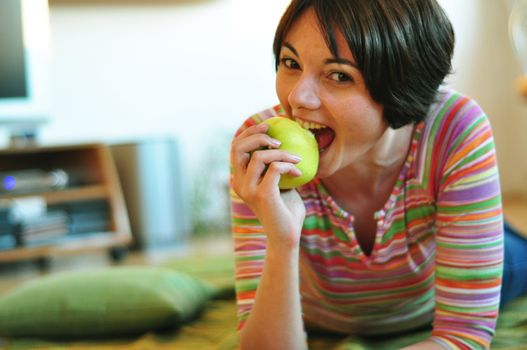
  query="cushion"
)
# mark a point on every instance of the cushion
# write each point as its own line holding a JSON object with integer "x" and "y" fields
{"x": 111, "y": 301}
{"x": 217, "y": 270}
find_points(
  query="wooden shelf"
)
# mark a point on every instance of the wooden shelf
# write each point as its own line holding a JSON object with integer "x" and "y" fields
{"x": 93, "y": 177}
{"x": 66, "y": 195}
{"x": 72, "y": 245}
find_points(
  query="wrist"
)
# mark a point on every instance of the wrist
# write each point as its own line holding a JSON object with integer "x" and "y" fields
{"x": 288, "y": 244}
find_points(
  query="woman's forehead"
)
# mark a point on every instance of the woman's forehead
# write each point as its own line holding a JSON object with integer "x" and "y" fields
{"x": 307, "y": 27}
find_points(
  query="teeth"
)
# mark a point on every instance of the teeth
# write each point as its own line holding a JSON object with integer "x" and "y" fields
{"x": 310, "y": 125}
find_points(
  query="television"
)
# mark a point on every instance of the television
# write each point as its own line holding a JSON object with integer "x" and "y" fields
{"x": 24, "y": 67}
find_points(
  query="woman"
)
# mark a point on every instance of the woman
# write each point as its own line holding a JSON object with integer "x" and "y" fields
{"x": 402, "y": 226}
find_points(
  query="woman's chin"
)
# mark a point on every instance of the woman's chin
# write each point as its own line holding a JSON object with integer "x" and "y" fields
{"x": 324, "y": 169}
{"x": 327, "y": 161}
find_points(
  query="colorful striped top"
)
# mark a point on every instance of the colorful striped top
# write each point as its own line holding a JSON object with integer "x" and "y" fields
{"x": 438, "y": 250}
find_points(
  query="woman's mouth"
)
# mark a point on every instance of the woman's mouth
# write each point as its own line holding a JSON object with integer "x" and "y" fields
{"x": 323, "y": 134}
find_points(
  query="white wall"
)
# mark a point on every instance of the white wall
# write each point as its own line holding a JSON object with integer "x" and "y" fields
{"x": 191, "y": 69}
{"x": 125, "y": 69}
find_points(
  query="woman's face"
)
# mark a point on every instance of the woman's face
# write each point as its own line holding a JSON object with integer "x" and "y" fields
{"x": 315, "y": 87}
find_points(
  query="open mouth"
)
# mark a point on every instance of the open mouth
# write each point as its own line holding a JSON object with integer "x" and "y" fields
{"x": 323, "y": 134}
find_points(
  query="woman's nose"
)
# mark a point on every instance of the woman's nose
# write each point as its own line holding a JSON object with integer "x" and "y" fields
{"x": 305, "y": 94}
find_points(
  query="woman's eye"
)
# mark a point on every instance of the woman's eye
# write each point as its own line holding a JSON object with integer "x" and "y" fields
{"x": 340, "y": 77}
{"x": 290, "y": 63}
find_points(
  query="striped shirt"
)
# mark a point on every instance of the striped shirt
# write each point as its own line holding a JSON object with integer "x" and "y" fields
{"x": 438, "y": 251}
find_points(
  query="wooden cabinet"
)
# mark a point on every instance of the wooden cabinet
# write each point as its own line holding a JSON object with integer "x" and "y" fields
{"x": 92, "y": 178}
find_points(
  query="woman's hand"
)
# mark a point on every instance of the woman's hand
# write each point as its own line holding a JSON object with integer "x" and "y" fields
{"x": 257, "y": 166}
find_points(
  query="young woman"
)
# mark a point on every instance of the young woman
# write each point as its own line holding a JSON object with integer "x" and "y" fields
{"x": 402, "y": 226}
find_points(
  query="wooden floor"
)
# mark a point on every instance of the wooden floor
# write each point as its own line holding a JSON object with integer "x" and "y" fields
{"x": 11, "y": 275}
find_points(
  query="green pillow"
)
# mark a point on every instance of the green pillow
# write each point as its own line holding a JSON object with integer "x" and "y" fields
{"x": 111, "y": 301}
{"x": 218, "y": 271}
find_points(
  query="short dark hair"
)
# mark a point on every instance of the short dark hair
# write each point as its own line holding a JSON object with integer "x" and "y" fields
{"x": 403, "y": 48}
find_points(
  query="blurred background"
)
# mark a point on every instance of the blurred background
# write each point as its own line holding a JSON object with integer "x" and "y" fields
{"x": 171, "y": 80}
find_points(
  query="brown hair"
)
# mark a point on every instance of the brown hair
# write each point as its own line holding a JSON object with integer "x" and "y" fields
{"x": 403, "y": 48}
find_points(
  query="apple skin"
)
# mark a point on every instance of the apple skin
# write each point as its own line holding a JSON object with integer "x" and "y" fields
{"x": 298, "y": 141}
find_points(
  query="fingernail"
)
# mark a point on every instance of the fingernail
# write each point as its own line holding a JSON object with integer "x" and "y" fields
{"x": 275, "y": 142}
{"x": 297, "y": 158}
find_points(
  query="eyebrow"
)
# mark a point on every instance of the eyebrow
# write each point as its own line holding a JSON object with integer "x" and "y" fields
{"x": 291, "y": 47}
{"x": 339, "y": 60}
{"x": 333, "y": 60}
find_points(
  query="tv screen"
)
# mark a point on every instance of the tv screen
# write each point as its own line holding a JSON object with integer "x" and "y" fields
{"x": 24, "y": 65}
{"x": 13, "y": 64}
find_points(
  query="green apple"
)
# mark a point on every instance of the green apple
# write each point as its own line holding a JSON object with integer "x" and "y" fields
{"x": 298, "y": 141}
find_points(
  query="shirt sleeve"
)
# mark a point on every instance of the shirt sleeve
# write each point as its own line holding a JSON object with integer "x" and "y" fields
{"x": 469, "y": 237}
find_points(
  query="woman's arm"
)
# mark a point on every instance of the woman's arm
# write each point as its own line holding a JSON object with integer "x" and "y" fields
{"x": 267, "y": 290}
{"x": 469, "y": 228}
{"x": 267, "y": 224}
{"x": 275, "y": 321}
